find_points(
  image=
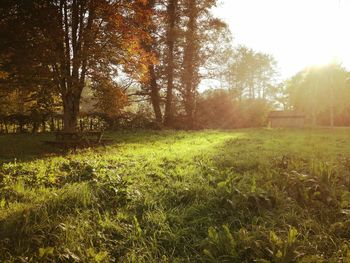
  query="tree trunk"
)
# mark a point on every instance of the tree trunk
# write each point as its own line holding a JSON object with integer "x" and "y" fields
{"x": 155, "y": 97}
{"x": 70, "y": 112}
{"x": 75, "y": 22}
{"x": 152, "y": 85}
{"x": 171, "y": 12}
{"x": 190, "y": 110}
{"x": 191, "y": 50}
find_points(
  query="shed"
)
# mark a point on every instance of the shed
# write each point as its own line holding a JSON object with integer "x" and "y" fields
{"x": 286, "y": 119}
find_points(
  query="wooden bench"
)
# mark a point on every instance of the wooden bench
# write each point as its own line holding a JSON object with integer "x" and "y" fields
{"x": 78, "y": 139}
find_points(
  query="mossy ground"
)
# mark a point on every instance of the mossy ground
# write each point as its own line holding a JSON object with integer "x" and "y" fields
{"x": 253, "y": 195}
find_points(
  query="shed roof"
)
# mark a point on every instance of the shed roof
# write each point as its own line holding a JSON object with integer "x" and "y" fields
{"x": 286, "y": 114}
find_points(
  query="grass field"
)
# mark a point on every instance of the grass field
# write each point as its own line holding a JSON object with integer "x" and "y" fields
{"x": 161, "y": 196}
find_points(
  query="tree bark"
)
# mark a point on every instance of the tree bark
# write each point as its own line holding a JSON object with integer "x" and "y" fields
{"x": 171, "y": 12}
{"x": 77, "y": 35}
{"x": 154, "y": 92}
{"x": 70, "y": 112}
{"x": 152, "y": 85}
{"x": 190, "y": 64}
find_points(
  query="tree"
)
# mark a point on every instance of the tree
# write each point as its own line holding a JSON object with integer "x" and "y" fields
{"x": 250, "y": 73}
{"x": 190, "y": 61}
{"x": 151, "y": 81}
{"x": 176, "y": 72}
{"x": 217, "y": 108}
{"x": 108, "y": 98}
{"x": 317, "y": 90}
{"x": 198, "y": 49}
{"x": 165, "y": 46}
{"x": 279, "y": 95}
{"x": 80, "y": 39}
{"x": 170, "y": 63}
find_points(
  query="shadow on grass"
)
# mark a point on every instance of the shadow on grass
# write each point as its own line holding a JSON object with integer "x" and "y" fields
{"x": 25, "y": 147}
{"x": 28, "y": 147}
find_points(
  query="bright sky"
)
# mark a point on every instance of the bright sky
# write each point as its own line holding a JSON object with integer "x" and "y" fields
{"x": 298, "y": 33}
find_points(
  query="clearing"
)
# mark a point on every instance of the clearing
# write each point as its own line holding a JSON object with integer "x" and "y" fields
{"x": 166, "y": 196}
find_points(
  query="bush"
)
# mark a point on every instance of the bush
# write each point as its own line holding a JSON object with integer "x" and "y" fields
{"x": 220, "y": 109}
{"x": 253, "y": 113}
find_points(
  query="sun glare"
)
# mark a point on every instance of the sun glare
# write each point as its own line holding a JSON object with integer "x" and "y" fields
{"x": 322, "y": 35}
{"x": 298, "y": 33}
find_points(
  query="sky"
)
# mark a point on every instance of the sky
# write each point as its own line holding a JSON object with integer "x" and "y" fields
{"x": 298, "y": 33}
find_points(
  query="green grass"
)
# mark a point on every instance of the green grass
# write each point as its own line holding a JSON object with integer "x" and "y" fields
{"x": 253, "y": 195}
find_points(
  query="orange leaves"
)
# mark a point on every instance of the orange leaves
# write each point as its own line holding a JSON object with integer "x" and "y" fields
{"x": 3, "y": 75}
{"x": 112, "y": 101}
{"x": 129, "y": 23}
{"x": 144, "y": 2}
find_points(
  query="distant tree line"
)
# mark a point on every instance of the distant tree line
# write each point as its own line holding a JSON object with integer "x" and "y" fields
{"x": 322, "y": 93}
{"x": 88, "y": 64}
